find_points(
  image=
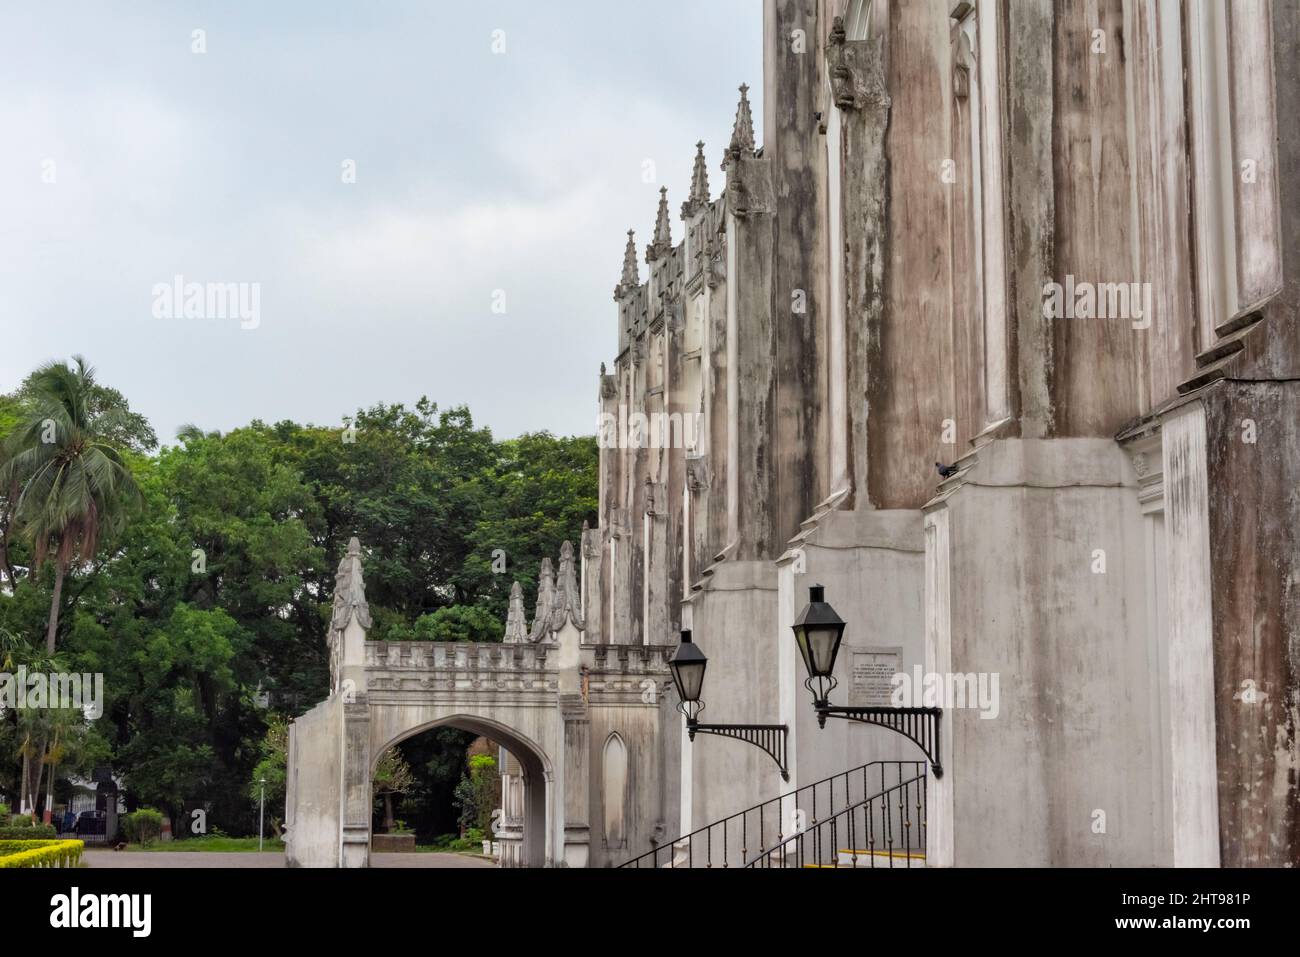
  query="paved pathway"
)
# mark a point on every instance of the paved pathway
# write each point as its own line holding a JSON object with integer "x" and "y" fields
{"x": 241, "y": 859}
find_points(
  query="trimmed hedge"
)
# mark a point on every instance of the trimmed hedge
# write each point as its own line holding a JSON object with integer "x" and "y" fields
{"x": 40, "y": 853}
{"x": 32, "y": 832}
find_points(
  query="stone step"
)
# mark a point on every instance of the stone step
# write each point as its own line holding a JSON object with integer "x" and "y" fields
{"x": 881, "y": 859}
{"x": 899, "y": 857}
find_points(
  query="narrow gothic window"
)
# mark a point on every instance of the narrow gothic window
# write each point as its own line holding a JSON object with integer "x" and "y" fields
{"x": 615, "y": 781}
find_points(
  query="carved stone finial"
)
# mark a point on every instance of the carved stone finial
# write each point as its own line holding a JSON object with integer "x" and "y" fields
{"x": 663, "y": 235}
{"x": 545, "y": 603}
{"x": 516, "y": 625}
{"x": 568, "y": 599}
{"x": 742, "y": 134}
{"x": 630, "y": 279}
{"x": 699, "y": 197}
{"x": 350, "y": 592}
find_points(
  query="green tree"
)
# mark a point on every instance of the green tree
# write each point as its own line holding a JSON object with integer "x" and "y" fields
{"x": 538, "y": 493}
{"x": 478, "y": 793}
{"x": 64, "y": 453}
{"x": 458, "y": 623}
{"x": 222, "y": 580}
{"x": 392, "y": 776}
{"x": 273, "y": 768}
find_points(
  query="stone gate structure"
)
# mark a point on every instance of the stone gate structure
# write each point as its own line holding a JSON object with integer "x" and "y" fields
{"x": 580, "y": 723}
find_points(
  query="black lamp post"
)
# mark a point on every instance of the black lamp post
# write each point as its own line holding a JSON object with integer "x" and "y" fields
{"x": 818, "y": 631}
{"x": 687, "y": 665}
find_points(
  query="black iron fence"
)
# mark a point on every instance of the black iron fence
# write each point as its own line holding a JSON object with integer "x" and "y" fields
{"x": 886, "y": 829}
{"x": 746, "y": 836}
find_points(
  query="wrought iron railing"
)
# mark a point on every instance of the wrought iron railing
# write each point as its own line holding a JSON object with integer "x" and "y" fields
{"x": 886, "y": 829}
{"x": 741, "y": 838}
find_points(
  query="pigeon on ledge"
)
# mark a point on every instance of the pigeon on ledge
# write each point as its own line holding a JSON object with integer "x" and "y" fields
{"x": 946, "y": 471}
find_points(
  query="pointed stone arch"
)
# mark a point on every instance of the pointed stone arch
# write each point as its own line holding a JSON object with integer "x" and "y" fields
{"x": 538, "y": 774}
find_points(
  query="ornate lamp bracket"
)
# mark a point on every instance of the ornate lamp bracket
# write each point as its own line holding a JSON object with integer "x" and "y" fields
{"x": 768, "y": 738}
{"x": 918, "y": 725}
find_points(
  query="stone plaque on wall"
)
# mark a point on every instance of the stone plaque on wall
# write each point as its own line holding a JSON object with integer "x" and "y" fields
{"x": 871, "y": 674}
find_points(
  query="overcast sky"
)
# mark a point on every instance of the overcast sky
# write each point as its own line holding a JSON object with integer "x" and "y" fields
{"x": 476, "y": 171}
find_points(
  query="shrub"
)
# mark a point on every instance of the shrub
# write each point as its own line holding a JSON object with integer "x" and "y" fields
{"x": 40, "y": 853}
{"x": 143, "y": 826}
{"x": 472, "y": 841}
{"x": 4, "y": 810}
{"x": 20, "y": 820}
{"x": 30, "y": 832}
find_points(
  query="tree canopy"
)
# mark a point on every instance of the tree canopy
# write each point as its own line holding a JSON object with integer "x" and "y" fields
{"x": 206, "y": 605}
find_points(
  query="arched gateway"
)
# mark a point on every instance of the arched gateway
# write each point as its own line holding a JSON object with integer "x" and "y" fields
{"x": 550, "y": 699}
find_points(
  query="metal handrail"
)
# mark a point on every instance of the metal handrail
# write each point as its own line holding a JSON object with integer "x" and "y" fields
{"x": 885, "y": 831}
{"x": 816, "y": 802}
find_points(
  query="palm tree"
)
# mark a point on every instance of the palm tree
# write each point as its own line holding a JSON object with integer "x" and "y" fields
{"x": 73, "y": 476}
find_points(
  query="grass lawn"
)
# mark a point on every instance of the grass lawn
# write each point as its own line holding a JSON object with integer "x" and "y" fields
{"x": 476, "y": 851}
{"x": 213, "y": 843}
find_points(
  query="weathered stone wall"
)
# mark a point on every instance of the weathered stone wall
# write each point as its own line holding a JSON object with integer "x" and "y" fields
{"x": 731, "y": 619}
{"x": 1254, "y": 510}
{"x": 1073, "y": 736}
{"x": 871, "y": 565}
{"x": 313, "y": 803}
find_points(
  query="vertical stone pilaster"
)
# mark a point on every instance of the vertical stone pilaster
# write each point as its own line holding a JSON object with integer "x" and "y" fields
{"x": 862, "y": 105}
{"x": 577, "y": 783}
{"x": 793, "y": 74}
{"x": 1191, "y": 651}
{"x": 751, "y": 375}
{"x": 355, "y": 790}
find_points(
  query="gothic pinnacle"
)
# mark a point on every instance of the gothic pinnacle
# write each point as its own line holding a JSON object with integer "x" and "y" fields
{"x": 742, "y": 134}
{"x": 630, "y": 278}
{"x": 545, "y": 603}
{"x": 516, "y": 625}
{"x": 663, "y": 236}
{"x": 699, "y": 197}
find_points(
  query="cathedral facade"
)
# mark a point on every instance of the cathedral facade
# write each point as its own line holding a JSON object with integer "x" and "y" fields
{"x": 994, "y": 336}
